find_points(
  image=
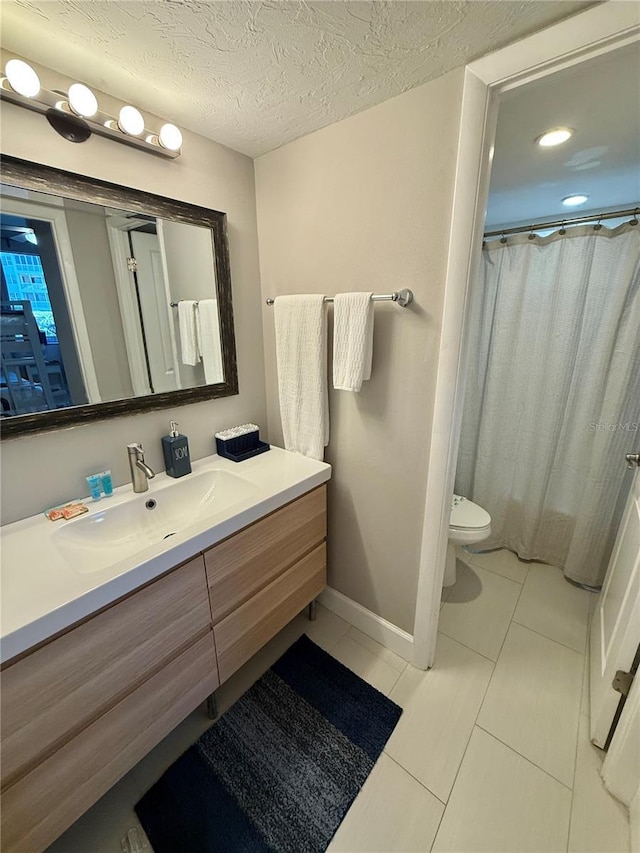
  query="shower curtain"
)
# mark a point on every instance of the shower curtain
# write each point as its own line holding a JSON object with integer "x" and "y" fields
{"x": 552, "y": 399}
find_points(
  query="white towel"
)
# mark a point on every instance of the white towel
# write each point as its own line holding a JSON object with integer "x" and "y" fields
{"x": 208, "y": 332}
{"x": 301, "y": 353}
{"x": 188, "y": 334}
{"x": 352, "y": 340}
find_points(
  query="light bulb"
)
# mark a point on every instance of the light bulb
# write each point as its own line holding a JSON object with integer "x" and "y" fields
{"x": 131, "y": 121}
{"x": 22, "y": 78}
{"x": 555, "y": 137}
{"x": 574, "y": 200}
{"x": 82, "y": 100}
{"x": 170, "y": 137}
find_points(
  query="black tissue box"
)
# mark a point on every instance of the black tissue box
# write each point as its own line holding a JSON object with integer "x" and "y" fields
{"x": 238, "y": 447}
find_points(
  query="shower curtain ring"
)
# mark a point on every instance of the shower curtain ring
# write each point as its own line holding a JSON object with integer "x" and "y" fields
{"x": 598, "y": 224}
{"x": 503, "y": 239}
{"x": 562, "y": 230}
{"x": 634, "y": 221}
{"x": 532, "y": 236}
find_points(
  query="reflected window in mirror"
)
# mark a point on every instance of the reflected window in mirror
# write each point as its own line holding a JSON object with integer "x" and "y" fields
{"x": 111, "y": 300}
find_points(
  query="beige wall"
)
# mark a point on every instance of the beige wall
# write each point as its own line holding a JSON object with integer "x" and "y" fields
{"x": 94, "y": 268}
{"x": 42, "y": 470}
{"x": 365, "y": 204}
{"x": 192, "y": 275}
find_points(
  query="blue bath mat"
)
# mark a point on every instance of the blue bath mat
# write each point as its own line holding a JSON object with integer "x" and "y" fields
{"x": 280, "y": 769}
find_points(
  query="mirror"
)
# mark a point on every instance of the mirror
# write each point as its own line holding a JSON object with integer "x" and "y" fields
{"x": 112, "y": 301}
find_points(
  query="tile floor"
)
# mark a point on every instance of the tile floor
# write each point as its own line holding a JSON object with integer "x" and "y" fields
{"x": 492, "y": 752}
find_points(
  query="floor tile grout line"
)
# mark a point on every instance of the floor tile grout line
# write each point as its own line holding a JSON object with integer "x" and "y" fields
{"x": 499, "y": 574}
{"x": 482, "y": 700}
{"x": 513, "y": 622}
{"x": 362, "y": 646}
{"x": 524, "y": 757}
{"x": 466, "y": 748}
{"x": 547, "y": 637}
{"x": 444, "y": 811}
{"x": 455, "y": 779}
{"x": 466, "y": 646}
{"x": 495, "y": 665}
{"x": 415, "y": 778}
{"x": 510, "y": 622}
{"x": 575, "y": 760}
{"x": 386, "y": 691}
{"x": 491, "y": 572}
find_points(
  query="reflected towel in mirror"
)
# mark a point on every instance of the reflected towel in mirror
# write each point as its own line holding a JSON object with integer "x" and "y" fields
{"x": 208, "y": 339}
{"x": 188, "y": 334}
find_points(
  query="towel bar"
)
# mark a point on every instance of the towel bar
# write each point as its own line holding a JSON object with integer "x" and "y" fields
{"x": 402, "y": 297}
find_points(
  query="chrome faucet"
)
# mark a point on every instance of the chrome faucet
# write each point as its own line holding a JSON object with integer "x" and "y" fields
{"x": 140, "y": 471}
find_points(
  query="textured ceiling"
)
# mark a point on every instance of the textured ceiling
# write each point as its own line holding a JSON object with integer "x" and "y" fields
{"x": 600, "y": 100}
{"x": 255, "y": 75}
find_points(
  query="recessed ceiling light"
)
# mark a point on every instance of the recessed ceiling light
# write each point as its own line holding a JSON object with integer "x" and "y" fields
{"x": 556, "y": 136}
{"x": 574, "y": 200}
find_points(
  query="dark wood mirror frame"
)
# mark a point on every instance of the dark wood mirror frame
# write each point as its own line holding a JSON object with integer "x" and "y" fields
{"x": 33, "y": 176}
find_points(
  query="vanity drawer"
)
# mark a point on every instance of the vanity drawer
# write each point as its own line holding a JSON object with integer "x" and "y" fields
{"x": 241, "y": 634}
{"x": 249, "y": 560}
{"x": 41, "y": 805}
{"x": 67, "y": 684}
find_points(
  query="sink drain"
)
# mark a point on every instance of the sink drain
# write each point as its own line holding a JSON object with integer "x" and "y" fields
{"x": 151, "y": 504}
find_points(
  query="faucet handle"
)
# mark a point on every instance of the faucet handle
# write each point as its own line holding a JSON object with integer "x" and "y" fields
{"x": 136, "y": 448}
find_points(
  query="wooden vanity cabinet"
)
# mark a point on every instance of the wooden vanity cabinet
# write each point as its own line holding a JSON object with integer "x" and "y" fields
{"x": 261, "y": 577}
{"x": 82, "y": 709}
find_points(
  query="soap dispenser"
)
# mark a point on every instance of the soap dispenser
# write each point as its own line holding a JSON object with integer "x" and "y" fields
{"x": 175, "y": 448}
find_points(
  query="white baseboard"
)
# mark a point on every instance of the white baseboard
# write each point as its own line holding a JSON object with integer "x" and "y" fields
{"x": 374, "y": 626}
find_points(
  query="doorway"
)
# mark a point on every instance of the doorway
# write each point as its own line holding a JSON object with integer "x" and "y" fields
{"x": 40, "y": 364}
{"x": 601, "y": 30}
{"x": 562, "y": 46}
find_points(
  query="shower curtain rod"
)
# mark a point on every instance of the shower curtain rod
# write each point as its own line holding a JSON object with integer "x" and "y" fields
{"x": 559, "y": 223}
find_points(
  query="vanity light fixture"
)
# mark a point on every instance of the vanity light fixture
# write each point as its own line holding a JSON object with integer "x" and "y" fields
{"x": 574, "y": 200}
{"x": 76, "y": 115}
{"x": 556, "y": 136}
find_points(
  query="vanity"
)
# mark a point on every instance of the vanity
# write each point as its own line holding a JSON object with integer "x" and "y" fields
{"x": 119, "y": 623}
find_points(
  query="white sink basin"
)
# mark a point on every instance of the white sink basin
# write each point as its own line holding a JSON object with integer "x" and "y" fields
{"x": 91, "y": 542}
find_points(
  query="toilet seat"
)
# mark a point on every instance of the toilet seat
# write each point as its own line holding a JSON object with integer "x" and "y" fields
{"x": 468, "y": 523}
{"x": 467, "y": 515}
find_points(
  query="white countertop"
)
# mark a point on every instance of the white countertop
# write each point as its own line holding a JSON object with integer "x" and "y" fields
{"x": 43, "y": 594}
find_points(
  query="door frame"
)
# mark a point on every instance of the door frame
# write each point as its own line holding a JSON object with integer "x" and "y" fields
{"x": 118, "y": 236}
{"x": 162, "y": 304}
{"x": 118, "y": 229}
{"x": 584, "y": 36}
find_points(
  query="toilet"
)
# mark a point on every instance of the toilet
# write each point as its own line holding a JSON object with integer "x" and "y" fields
{"x": 468, "y": 524}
